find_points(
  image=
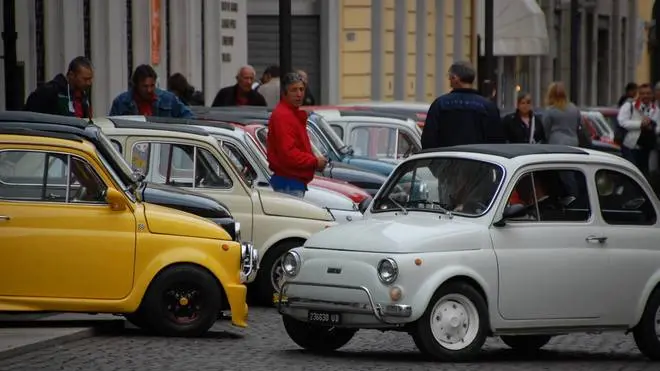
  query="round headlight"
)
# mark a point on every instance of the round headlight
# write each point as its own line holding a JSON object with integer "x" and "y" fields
{"x": 291, "y": 263}
{"x": 388, "y": 271}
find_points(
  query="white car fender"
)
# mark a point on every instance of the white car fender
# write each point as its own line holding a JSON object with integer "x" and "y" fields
{"x": 644, "y": 297}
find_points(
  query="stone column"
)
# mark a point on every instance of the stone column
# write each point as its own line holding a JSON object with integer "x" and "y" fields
{"x": 65, "y": 38}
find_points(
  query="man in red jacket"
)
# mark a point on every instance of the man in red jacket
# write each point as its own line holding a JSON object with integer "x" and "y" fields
{"x": 290, "y": 155}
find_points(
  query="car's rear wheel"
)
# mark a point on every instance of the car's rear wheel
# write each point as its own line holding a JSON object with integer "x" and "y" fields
{"x": 526, "y": 343}
{"x": 647, "y": 331}
{"x": 316, "y": 338}
{"x": 138, "y": 319}
{"x": 270, "y": 273}
{"x": 454, "y": 325}
{"x": 182, "y": 301}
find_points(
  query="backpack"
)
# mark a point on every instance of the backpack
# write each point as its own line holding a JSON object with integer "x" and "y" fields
{"x": 619, "y": 131}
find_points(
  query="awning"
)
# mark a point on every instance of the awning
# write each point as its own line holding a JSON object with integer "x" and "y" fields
{"x": 520, "y": 28}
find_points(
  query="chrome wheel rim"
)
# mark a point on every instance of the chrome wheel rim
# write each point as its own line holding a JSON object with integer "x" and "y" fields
{"x": 454, "y": 322}
{"x": 277, "y": 274}
{"x": 656, "y": 324}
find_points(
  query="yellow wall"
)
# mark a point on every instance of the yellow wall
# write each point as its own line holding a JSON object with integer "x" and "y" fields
{"x": 643, "y": 73}
{"x": 355, "y": 48}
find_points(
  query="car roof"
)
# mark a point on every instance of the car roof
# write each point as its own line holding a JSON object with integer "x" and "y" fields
{"x": 510, "y": 150}
{"x": 46, "y": 125}
{"x": 180, "y": 127}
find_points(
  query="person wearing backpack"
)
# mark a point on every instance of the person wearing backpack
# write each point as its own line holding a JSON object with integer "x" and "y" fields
{"x": 640, "y": 120}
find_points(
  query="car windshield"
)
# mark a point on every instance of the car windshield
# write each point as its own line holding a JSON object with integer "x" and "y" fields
{"x": 443, "y": 185}
{"x": 332, "y": 136}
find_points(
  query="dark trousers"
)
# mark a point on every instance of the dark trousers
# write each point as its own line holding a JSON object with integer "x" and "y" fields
{"x": 639, "y": 157}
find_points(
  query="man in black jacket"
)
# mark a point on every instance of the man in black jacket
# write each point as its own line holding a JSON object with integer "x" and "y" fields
{"x": 240, "y": 94}
{"x": 462, "y": 116}
{"x": 65, "y": 95}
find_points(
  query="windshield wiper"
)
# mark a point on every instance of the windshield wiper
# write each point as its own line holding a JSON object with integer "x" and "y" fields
{"x": 403, "y": 209}
{"x": 438, "y": 206}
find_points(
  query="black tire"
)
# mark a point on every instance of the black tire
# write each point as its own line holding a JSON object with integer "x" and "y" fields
{"x": 644, "y": 333}
{"x": 320, "y": 339}
{"x": 264, "y": 284}
{"x": 526, "y": 343}
{"x": 138, "y": 319}
{"x": 155, "y": 308}
{"x": 423, "y": 334}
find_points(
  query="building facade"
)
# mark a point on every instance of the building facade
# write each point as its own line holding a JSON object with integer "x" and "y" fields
{"x": 352, "y": 50}
{"x": 533, "y": 43}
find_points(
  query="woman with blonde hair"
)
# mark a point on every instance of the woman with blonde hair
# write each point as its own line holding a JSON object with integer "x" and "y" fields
{"x": 561, "y": 120}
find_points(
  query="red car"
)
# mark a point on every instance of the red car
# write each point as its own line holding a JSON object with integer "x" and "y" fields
{"x": 358, "y": 195}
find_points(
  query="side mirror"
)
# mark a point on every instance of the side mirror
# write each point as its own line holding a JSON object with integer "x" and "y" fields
{"x": 511, "y": 211}
{"x": 115, "y": 199}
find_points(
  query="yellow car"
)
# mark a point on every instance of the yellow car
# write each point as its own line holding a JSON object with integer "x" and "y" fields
{"x": 75, "y": 238}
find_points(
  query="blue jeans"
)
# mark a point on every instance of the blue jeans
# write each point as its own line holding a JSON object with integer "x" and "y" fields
{"x": 293, "y": 192}
{"x": 289, "y": 186}
{"x": 639, "y": 157}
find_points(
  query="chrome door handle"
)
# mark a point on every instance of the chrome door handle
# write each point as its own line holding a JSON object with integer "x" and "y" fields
{"x": 594, "y": 239}
{"x": 3, "y": 217}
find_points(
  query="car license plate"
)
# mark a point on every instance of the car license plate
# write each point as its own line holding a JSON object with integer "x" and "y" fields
{"x": 325, "y": 318}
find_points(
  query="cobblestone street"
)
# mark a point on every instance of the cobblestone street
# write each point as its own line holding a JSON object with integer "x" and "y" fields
{"x": 266, "y": 346}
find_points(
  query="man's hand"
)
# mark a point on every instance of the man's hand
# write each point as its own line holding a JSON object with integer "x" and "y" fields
{"x": 321, "y": 161}
{"x": 646, "y": 122}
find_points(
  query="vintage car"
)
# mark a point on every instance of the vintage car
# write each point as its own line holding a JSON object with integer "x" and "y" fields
{"x": 375, "y": 135}
{"x": 519, "y": 241}
{"x": 189, "y": 157}
{"x": 76, "y": 238}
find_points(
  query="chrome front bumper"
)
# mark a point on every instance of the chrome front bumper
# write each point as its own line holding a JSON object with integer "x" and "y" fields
{"x": 381, "y": 312}
{"x": 249, "y": 262}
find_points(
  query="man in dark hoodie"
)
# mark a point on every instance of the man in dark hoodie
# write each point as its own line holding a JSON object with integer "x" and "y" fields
{"x": 65, "y": 95}
{"x": 462, "y": 116}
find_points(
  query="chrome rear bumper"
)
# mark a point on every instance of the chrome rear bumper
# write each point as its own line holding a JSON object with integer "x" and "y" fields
{"x": 379, "y": 311}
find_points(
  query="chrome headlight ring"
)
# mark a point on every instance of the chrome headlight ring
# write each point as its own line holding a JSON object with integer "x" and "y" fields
{"x": 388, "y": 271}
{"x": 291, "y": 263}
{"x": 237, "y": 232}
{"x": 249, "y": 262}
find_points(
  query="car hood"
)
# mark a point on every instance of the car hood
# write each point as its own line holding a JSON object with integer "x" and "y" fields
{"x": 280, "y": 204}
{"x": 326, "y": 198}
{"x": 172, "y": 222}
{"x": 413, "y": 233}
{"x": 184, "y": 200}
{"x": 380, "y": 167}
{"x": 364, "y": 179}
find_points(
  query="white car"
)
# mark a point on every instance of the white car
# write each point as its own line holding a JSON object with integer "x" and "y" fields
{"x": 519, "y": 241}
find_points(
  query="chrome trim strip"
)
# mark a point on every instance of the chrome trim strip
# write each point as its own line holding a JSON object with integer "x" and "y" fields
{"x": 377, "y": 310}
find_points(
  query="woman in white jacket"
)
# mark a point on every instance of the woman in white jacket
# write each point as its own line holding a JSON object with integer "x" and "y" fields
{"x": 640, "y": 119}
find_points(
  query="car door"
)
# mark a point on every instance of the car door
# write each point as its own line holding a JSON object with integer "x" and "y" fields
{"x": 58, "y": 236}
{"x": 551, "y": 265}
{"x": 186, "y": 164}
{"x": 629, "y": 214}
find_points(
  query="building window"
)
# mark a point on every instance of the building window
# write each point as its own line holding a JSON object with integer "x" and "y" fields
{"x": 40, "y": 41}
{"x": 129, "y": 36}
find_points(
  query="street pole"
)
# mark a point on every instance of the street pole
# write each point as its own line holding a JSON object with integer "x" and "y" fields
{"x": 489, "y": 58}
{"x": 575, "y": 45}
{"x": 9, "y": 37}
{"x": 285, "y": 36}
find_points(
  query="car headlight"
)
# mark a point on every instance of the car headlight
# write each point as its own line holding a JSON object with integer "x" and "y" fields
{"x": 291, "y": 263}
{"x": 388, "y": 271}
{"x": 249, "y": 262}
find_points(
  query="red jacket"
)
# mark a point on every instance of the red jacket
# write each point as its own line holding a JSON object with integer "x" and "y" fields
{"x": 288, "y": 148}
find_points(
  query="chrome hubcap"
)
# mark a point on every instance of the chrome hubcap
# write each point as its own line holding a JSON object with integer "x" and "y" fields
{"x": 454, "y": 322}
{"x": 657, "y": 323}
{"x": 277, "y": 274}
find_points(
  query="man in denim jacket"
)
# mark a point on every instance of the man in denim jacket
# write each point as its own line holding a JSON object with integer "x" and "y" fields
{"x": 144, "y": 98}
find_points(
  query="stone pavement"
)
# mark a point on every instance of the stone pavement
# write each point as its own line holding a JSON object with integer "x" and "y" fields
{"x": 265, "y": 346}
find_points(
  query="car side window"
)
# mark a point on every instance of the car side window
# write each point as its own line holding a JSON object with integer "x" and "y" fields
{"x": 241, "y": 163}
{"x": 338, "y": 129}
{"x": 116, "y": 145}
{"x": 49, "y": 177}
{"x": 181, "y": 165}
{"x": 406, "y": 146}
{"x": 262, "y": 136}
{"x": 622, "y": 200}
{"x": 551, "y": 196}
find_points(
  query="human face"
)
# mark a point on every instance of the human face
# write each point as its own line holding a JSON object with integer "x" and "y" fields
{"x": 294, "y": 94}
{"x": 146, "y": 88}
{"x": 81, "y": 80}
{"x": 525, "y": 105}
{"x": 646, "y": 94}
{"x": 245, "y": 79}
{"x": 454, "y": 82}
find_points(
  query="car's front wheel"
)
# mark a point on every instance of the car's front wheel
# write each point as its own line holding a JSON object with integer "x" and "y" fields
{"x": 454, "y": 325}
{"x": 647, "y": 331}
{"x": 526, "y": 343}
{"x": 182, "y": 301}
{"x": 316, "y": 338}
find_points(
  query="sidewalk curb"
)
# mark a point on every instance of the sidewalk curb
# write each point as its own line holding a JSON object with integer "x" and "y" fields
{"x": 94, "y": 329}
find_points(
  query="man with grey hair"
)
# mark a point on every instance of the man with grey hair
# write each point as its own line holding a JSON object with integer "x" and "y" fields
{"x": 462, "y": 116}
{"x": 241, "y": 93}
{"x": 288, "y": 148}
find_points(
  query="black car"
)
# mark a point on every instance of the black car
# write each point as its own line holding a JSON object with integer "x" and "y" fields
{"x": 163, "y": 195}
